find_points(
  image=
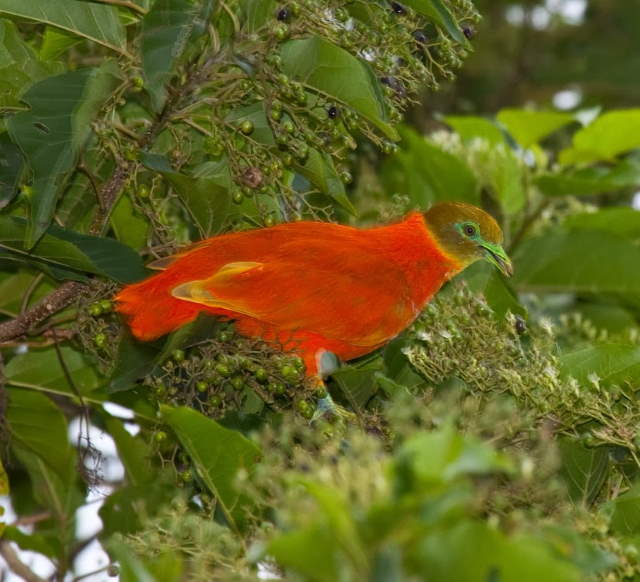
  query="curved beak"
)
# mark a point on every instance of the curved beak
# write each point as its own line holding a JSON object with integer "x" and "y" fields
{"x": 496, "y": 255}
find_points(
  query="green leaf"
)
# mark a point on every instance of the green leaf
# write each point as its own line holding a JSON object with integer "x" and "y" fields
{"x": 134, "y": 453}
{"x": 427, "y": 173}
{"x": 256, "y": 13}
{"x": 588, "y": 261}
{"x": 611, "y": 363}
{"x": 11, "y": 164}
{"x": 437, "y": 12}
{"x": 469, "y": 127}
{"x": 610, "y": 135}
{"x": 444, "y": 455}
{"x": 256, "y": 114}
{"x": 332, "y": 70}
{"x": 207, "y": 199}
{"x": 132, "y": 568}
{"x": 19, "y": 65}
{"x": 39, "y": 427}
{"x": 217, "y": 453}
{"x": 474, "y": 551}
{"x": 484, "y": 278}
{"x": 54, "y": 130}
{"x": 625, "y": 519}
{"x": 96, "y": 22}
{"x": 529, "y": 127}
{"x": 621, "y": 221}
{"x": 55, "y": 42}
{"x": 80, "y": 252}
{"x": 583, "y": 469}
{"x": 313, "y": 552}
{"x": 358, "y": 383}
{"x": 43, "y": 368}
{"x": 589, "y": 181}
{"x": 131, "y": 228}
{"x": 321, "y": 172}
{"x": 165, "y": 31}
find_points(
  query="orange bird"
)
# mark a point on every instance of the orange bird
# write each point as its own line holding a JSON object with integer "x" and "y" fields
{"x": 316, "y": 287}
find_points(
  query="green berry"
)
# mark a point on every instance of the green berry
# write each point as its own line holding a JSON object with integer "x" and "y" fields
{"x": 160, "y": 436}
{"x": 100, "y": 339}
{"x": 261, "y": 375}
{"x": 269, "y": 221}
{"x": 186, "y": 476}
{"x": 202, "y": 386}
{"x": 287, "y": 160}
{"x": 95, "y": 309}
{"x": 305, "y": 409}
{"x": 143, "y": 191}
{"x": 224, "y": 336}
{"x": 106, "y": 305}
{"x": 281, "y": 32}
{"x": 288, "y": 126}
{"x": 178, "y": 355}
{"x": 215, "y": 401}
{"x": 246, "y": 127}
{"x": 237, "y": 382}
{"x": 237, "y": 196}
{"x": 223, "y": 370}
{"x": 276, "y": 114}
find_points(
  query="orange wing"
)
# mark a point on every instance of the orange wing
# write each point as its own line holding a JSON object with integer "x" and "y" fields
{"x": 352, "y": 295}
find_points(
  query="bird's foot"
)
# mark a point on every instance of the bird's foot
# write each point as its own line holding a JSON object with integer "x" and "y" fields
{"x": 327, "y": 408}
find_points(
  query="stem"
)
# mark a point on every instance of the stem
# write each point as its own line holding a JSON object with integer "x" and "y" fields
{"x": 16, "y": 565}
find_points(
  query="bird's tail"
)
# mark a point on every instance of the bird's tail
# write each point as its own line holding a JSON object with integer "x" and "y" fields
{"x": 150, "y": 308}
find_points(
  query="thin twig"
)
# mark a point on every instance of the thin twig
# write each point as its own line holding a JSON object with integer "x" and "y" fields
{"x": 16, "y": 565}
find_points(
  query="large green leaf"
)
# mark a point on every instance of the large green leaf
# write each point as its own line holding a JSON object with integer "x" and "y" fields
{"x": 97, "y": 22}
{"x": 625, "y": 518}
{"x": 337, "y": 73}
{"x": 437, "y": 11}
{"x": 470, "y": 127}
{"x": 427, "y": 173}
{"x": 321, "y": 172}
{"x": 134, "y": 453}
{"x": 43, "y": 368}
{"x": 589, "y": 181}
{"x": 54, "y": 130}
{"x": 589, "y": 261}
{"x": 165, "y": 31}
{"x": 11, "y": 164}
{"x": 207, "y": 199}
{"x": 610, "y": 363}
{"x": 39, "y": 426}
{"x": 583, "y": 469}
{"x": 529, "y": 127}
{"x": 608, "y": 136}
{"x": 80, "y": 252}
{"x": 217, "y": 453}
{"x": 621, "y": 221}
{"x": 19, "y": 65}
{"x": 474, "y": 551}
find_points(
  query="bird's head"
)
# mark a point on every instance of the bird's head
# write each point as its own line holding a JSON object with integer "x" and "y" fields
{"x": 467, "y": 233}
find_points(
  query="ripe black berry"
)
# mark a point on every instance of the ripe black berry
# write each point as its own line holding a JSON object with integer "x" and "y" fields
{"x": 333, "y": 112}
{"x": 420, "y": 36}
{"x": 398, "y": 8}
{"x": 520, "y": 325}
{"x": 283, "y": 14}
{"x": 468, "y": 31}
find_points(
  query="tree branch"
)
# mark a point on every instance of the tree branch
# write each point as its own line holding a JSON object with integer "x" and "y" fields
{"x": 16, "y": 565}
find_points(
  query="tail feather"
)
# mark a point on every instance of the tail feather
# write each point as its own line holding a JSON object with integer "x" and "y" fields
{"x": 151, "y": 310}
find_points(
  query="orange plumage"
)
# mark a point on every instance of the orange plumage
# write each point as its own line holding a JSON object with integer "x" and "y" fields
{"x": 304, "y": 286}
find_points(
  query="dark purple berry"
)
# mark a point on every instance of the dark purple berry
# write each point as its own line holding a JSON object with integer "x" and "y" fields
{"x": 333, "y": 112}
{"x": 520, "y": 324}
{"x": 469, "y": 32}
{"x": 283, "y": 14}
{"x": 420, "y": 37}
{"x": 398, "y": 8}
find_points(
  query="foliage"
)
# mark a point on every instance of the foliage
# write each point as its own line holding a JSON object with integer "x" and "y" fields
{"x": 495, "y": 439}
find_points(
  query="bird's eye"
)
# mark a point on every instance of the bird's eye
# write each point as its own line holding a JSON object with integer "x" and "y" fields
{"x": 469, "y": 229}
